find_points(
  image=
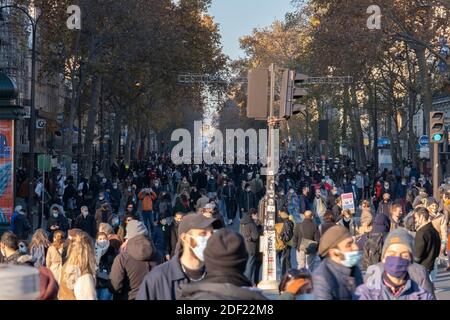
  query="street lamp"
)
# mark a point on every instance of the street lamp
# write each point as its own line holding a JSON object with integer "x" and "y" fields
{"x": 32, "y": 125}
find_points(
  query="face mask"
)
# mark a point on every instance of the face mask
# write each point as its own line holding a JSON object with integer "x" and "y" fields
{"x": 114, "y": 186}
{"x": 305, "y": 296}
{"x": 353, "y": 182}
{"x": 129, "y": 189}
{"x": 291, "y": 191}
{"x": 85, "y": 213}
{"x": 396, "y": 266}
{"x": 201, "y": 245}
{"x": 22, "y": 249}
{"x": 101, "y": 198}
{"x": 102, "y": 243}
{"x": 55, "y": 214}
{"x": 347, "y": 219}
{"x": 351, "y": 258}
{"x": 248, "y": 190}
{"x": 104, "y": 180}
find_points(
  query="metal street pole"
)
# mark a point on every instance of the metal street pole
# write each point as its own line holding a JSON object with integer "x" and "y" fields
{"x": 269, "y": 276}
{"x": 436, "y": 168}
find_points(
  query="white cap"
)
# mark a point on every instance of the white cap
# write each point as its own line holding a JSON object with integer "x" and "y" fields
{"x": 19, "y": 282}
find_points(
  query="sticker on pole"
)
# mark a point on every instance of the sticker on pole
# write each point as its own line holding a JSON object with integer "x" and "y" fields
{"x": 348, "y": 202}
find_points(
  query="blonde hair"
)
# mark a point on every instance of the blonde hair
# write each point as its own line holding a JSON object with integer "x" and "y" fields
{"x": 106, "y": 228}
{"x": 80, "y": 254}
{"x": 39, "y": 238}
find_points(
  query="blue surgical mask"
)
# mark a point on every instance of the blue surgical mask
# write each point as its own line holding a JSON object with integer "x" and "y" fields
{"x": 351, "y": 258}
{"x": 200, "y": 247}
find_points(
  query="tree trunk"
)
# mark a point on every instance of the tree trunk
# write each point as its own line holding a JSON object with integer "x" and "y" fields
{"x": 356, "y": 121}
{"x": 116, "y": 137}
{"x": 411, "y": 135}
{"x": 92, "y": 118}
{"x": 137, "y": 145}
{"x": 130, "y": 137}
{"x": 426, "y": 85}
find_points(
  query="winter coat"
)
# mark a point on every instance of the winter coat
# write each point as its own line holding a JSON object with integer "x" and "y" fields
{"x": 351, "y": 226}
{"x": 427, "y": 245}
{"x": 20, "y": 225}
{"x": 384, "y": 208}
{"x": 104, "y": 267}
{"x": 132, "y": 265}
{"x": 147, "y": 200}
{"x": 212, "y": 289}
{"x": 337, "y": 211}
{"x": 333, "y": 281}
{"x": 163, "y": 282}
{"x": 61, "y": 221}
{"x": 161, "y": 239}
{"x": 87, "y": 224}
{"x": 374, "y": 287}
{"x": 54, "y": 261}
{"x": 116, "y": 196}
{"x": 247, "y": 201}
{"x": 304, "y": 204}
{"x": 251, "y": 233}
{"x": 306, "y": 229}
{"x": 211, "y": 185}
{"x": 103, "y": 216}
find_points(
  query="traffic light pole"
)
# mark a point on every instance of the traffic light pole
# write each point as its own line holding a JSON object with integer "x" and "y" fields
{"x": 269, "y": 277}
{"x": 436, "y": 169}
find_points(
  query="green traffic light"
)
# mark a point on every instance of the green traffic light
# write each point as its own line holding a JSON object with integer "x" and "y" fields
{"x": 437, "y": 137}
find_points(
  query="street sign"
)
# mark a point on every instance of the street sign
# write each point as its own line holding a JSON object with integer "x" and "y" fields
{"x": 424, "y": 141}
{"x": 383, "y": 141}
{"x": 40, "y": 123}
{"x": 44, "y": 162}
{"x": 348, "y": 202}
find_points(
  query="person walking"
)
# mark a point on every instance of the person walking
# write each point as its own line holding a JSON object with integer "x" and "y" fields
{"x": 55, "y": 253}
{"x": 338, "y": 275}
{"x": 427, "y": 243}
{"x": 20, "y": 225}
{"x": 132, "y": 265}
{"x": 57, "y": 220}
{"x": 247, "y": 201}
{"x": 306, "y": 240}
{"x": 38, "y": 247}
{"x": 396, "y": 277}
{"x": 104, "y": 258}
{"x": 284, "y": 231}
{"x": 78, "y": 272}
{"x": 147, "y": 197}
{"x": 86, "y": 222}
{"x": 225, "y": 262}
{"x": 251, "y": 231}
{"x": 163, "y": 282}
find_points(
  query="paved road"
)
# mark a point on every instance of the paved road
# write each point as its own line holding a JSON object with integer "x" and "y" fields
{"x": 443, "y": 285}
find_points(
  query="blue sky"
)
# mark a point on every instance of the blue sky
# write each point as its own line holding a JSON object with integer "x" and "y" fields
{"x": 237, "y": 18}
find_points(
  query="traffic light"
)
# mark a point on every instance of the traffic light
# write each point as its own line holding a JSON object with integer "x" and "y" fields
{"x": 257, "y": 96}
{"x": 290, "y": 93}
{"x": 436, "y": 127}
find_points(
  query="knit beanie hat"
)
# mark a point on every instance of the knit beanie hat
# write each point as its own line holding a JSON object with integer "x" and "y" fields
{"x": 331, "y": 238}
{"x": 398, "y": 236}
{"x": 135, "y": 228}
{"x": 225, "y": 252}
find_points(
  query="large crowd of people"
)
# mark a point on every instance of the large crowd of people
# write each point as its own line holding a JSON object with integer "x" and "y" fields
{"x": 157, "y": 231}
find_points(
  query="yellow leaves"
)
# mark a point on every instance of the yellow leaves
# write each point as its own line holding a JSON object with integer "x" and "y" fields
{"x": 314, "y": 21}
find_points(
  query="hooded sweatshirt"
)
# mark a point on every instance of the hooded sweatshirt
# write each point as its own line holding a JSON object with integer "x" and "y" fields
{"x": 131, "y": 266}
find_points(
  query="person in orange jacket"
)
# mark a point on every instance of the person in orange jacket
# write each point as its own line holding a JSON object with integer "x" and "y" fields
{"x": 147, "y": 196}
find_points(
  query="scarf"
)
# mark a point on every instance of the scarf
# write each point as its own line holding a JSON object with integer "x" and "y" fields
{"x": 99, "y": 252}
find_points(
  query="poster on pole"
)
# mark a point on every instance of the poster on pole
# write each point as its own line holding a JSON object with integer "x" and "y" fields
{"x": 6, "y": 170}
{"x": 348, "y": 202}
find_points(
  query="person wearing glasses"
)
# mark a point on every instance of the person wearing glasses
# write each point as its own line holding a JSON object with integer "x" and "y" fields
{"x": 296, "y": 285}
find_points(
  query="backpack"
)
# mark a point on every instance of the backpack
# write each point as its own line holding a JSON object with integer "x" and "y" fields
{"x": 372, "y": 250}
{"x": 287, "y": 232}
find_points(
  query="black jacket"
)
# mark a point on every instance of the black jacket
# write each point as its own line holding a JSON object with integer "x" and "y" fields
{"x": 87, "y": 224}
{"x": 173, "y": 239}
{"x": 104, "y": 267}
{"x": 22, "y": 227}
{"x": 61, "y": 221}
{"x": 251, "y": 233}
{"x": 427, "y": 244}
{"x": 247, "y": 201}
{"x": 219, "y": 289}
{"x": 131, "y": 266}
{"x": 306, "y": 229}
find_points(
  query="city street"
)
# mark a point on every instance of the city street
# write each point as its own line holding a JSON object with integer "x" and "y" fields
{"x": 224, "y": 149}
